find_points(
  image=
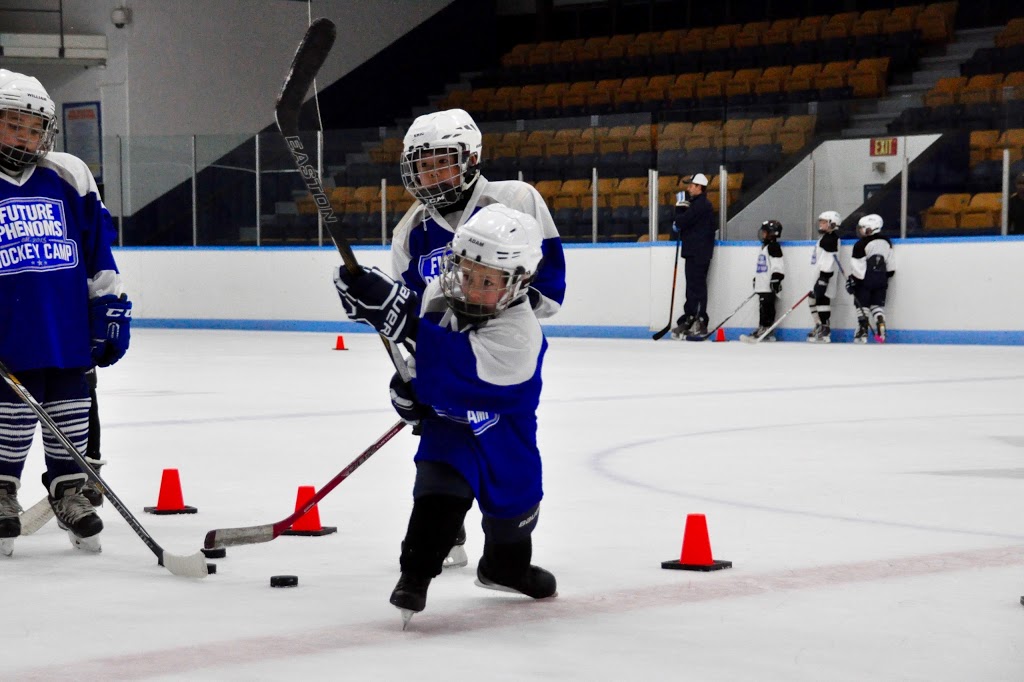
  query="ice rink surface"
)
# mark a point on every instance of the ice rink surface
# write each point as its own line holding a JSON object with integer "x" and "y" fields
{"x": 871, "y": 499}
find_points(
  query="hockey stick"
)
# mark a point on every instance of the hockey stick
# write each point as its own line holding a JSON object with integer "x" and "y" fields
{"x": 705, "y": 337}
{"x": 36, "y": 516}
{"x": 309, "y": 57}
{"x": 672, "y": 301}
{"x": 250, "y": 535}
{"x": 192, "y": 566}
{"x": 779, "y": 321}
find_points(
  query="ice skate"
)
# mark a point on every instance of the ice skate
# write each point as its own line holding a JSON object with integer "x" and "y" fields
{"x": 90, "y": 544}
{"x": 535, "y": 582}
{"x": 823, "y": 335}
{"x": 684, "y": 328}
{"x": 861, "y": 335}
{"x": 10, "y": 514}
{"x": 72, "y": 509}
{"x": 758, "y": 335}
{"x": 410, "y": 596}
{"x": 881, "y": 329}
{"x": 92, "y": 490}
{"x": 811, "y": 335}
{"x": 457, "y": 554}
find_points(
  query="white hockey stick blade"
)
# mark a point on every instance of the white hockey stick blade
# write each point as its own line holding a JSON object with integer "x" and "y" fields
{"x": 36, "y": 516}
{"x": 230, "y": 537}
{"x": 191, "y": 566}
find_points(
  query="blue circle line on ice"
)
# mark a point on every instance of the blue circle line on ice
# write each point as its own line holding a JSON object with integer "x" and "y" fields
{"x": 600, "y": 464}
{"x": 564, "y": 401}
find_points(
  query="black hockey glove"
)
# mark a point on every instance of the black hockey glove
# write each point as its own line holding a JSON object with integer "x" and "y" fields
{"x": 403, "y": 399}
{"x": 379, "y": 301}
{"x": 776, "y": 284}
{"x": 851, "y": 284}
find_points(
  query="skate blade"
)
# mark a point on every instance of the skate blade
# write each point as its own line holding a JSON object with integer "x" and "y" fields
{"x": 456, "y": 558}
{"x": 6, "y": 546}
{"x": 407, "y": 615}
{"x": 502, "y": 588}
{"x": 90, "y": 544}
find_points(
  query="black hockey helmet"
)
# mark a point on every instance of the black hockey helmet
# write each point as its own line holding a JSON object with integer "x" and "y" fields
{"x": 770, "y": 229}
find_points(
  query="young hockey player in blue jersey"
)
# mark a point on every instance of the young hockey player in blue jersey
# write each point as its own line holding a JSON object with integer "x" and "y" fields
{"x": 63, "y": 310}
{"x": 873, "y": 264}
{"x": 441, "y": 158}
{"x": 768, "y": 279}
{"x": 824, "y": 259}
{"x": 479, "y": 352}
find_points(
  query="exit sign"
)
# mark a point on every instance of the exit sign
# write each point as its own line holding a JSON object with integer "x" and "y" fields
{"x": 883, "y": 146}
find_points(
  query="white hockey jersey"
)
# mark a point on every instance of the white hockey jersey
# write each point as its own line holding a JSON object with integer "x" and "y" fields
{"x": 769, "y": 266}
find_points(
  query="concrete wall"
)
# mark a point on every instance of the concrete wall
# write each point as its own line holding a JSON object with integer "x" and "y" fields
{"x": 945, "y": 290}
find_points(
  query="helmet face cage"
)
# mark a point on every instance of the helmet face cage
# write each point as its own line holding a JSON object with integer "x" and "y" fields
{"x": 470, "y": 288}
{"x": 26, "y": 136}
{"x": 438, "y": 176}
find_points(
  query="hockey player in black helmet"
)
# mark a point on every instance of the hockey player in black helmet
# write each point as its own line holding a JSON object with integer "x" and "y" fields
{"x": 768, "y": 276}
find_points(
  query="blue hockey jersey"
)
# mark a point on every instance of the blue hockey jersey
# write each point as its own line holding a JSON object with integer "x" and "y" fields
{"x": 55, "y": 254}
{"x": 423, "y": 235}
{"x": 484, "y": 382}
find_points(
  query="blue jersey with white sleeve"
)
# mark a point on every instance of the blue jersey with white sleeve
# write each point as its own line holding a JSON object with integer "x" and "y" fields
{"x": 484, "y": 382}
{"x": 55, "y": 254}
{"x": 423, "y": 234}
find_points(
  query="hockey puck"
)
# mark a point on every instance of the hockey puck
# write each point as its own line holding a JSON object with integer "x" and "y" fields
{"x": 211, "y": 569}
{"x": 215, "y": 553}
{"x": 284, "y": 581}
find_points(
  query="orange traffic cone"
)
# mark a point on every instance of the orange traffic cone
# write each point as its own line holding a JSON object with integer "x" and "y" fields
{"x": 696, "y": 552}
{"x": 720, "y": 335}
{"x": 340, "y": 343}
{"x": 308, "y": 523}
{"x": 170, "y": 500}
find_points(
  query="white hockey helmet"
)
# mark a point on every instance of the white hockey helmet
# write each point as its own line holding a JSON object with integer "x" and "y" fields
{"x": 831, "y": 220}
{"x": 441, "y": 155}
{"x": 27, "y": 121}
{"x": 869, "y": 224}
{"x": 500, "y": 239}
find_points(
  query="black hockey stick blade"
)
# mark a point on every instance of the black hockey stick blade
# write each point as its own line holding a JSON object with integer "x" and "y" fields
{"x": 192, "y": 566}
{"x": 666, "y": 330}
{"x": 310, "y": 56}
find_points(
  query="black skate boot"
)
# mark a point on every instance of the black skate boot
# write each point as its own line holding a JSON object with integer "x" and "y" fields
{"x": 94, "y": 491}
{"x": 823, "y": 334}
{"x": 457, "y": 554}
{"x": 10, "y": 510}
{"x": 684, "y": 327}
{"x": 73, "y": 510}
{"x": 506, "y": 567}
{"x": 410, "y": 594}
{"x": 861, "y": 335}
{"x": 699, "y": 328}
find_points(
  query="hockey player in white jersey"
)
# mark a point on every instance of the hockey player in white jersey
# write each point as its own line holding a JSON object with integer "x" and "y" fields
{"x": 768, "y": 276}
{"x": 873, "y": 264}
{"x": 63, "y": 310}
{"x": 824, "y": 259}
{"x": 441, "y": 159}
{"x": 479, "y": 351}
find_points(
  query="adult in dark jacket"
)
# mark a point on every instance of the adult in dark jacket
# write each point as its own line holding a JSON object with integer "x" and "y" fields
{"x": 695, "y": 223}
